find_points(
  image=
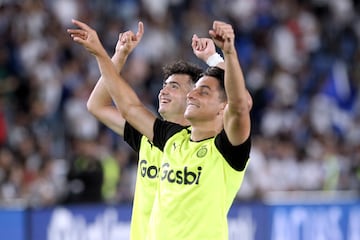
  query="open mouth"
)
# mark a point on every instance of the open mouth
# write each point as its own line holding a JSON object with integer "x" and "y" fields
{"x": 164, "y": 100}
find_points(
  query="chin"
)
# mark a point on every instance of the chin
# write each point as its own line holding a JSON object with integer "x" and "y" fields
{"x": 188, "y": 115}
{"x": 161, "y": 110}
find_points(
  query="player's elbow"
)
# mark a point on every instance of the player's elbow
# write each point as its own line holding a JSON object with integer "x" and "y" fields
{"x": 89, "y": 106}
{"x": 249, "y": 101}
{"x": 92, "y": 108}
{"x": 131, "y": 111}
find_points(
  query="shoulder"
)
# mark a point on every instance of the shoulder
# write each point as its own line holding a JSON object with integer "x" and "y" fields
{"x": 236, "y": 156}
{"x": 163, "y": 130}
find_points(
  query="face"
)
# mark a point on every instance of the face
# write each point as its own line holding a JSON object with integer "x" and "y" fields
{"x": 204, "y": 102}
{"x": 172, "y": 96}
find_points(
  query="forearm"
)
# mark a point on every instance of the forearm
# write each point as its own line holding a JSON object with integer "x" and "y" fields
{"x": 121, "y": 93}
{"x": 119, "y": 61}
{"x": 237, "y": 122}
{"x": 125, "y": 98}
{"x": 101, "y": 106}
{"x": 100, "y": 97}
{"x": 235, "y": 87}
{"x": 100, "y": 103}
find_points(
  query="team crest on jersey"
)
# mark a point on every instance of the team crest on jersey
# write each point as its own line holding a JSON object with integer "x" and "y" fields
{"x": 201, "y": 152}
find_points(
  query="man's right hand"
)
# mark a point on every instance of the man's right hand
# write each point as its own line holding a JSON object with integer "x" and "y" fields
{"x": 203, "y": 48}
{"x": 127, "y": 42}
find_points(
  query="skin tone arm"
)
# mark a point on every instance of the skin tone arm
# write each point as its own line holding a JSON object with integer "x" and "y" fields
{"x": 125, "y": 98}
{"x": 100, "y": 102}
{"x": 203, "y": 48}
{"x": 237, "y": 122}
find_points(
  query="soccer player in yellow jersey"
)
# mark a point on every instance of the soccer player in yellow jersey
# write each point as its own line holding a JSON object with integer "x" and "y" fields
{"x": 180, "y": 78}
{"x": 201, "y": 168}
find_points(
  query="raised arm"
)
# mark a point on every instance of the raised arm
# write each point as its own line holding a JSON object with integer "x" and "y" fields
{"x": 125, "y": 98}
{"x": 237, "y": 112}
{"x": 100, "y": 103}
{"x": 204, "y": 49}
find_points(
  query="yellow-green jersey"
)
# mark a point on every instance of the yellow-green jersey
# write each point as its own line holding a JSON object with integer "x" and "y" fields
{"x": 198, "y": 182}
{"x": 146, "y": 181}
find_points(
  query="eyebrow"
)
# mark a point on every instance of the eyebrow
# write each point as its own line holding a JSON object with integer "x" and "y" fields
{"x": 171, "y": 82}
{"x": 204, "y": 87}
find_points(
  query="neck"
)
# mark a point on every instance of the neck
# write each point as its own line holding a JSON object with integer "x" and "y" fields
{"x": 201, "y": 131}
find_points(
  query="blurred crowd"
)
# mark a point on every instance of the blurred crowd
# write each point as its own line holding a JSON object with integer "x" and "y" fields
{"x": 299, "y": 59}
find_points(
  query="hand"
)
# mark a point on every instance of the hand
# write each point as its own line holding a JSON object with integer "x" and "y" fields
{"x": 87, "y": 37}
{"x": 203, "y": 48}
{"x": 128, "y": 41}
{"x": 223, "y": 36}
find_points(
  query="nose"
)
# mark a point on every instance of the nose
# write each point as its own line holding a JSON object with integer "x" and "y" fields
{"x": 191, "y": 94}
{"x": 163, "y": 91}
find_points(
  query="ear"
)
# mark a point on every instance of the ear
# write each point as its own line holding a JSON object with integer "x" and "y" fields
{"x": 223, "y": 105}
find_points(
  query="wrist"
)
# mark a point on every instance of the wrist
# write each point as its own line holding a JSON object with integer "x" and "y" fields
{"x": 118, "y": 58}
{"x": 214, "y": 60}
{"x": 119, "y": 55}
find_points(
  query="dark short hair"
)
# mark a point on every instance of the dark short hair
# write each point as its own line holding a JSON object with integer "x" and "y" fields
{"x": 182, "y": 67}
{"x": 218, "y": 74}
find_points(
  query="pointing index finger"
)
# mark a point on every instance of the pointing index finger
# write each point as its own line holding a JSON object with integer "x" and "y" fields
{"x": 140, "y": 32}
{"x": 81, "y": 25}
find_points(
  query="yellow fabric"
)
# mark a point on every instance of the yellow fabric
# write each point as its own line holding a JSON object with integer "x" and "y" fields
{"x": 145, "y": 189}
{"x": 111, "y": 178}
{"x": 196, "y": 189}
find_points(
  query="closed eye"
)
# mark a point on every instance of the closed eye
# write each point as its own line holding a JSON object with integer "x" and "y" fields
{"x": 204, "y": 90}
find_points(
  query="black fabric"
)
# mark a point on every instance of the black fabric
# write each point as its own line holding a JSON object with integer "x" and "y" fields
{"x": 236, "y": 156}
{"x": 132, "y": 137}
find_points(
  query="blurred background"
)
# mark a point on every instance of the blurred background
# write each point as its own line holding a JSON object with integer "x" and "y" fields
{"x": 300, "y": 59}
